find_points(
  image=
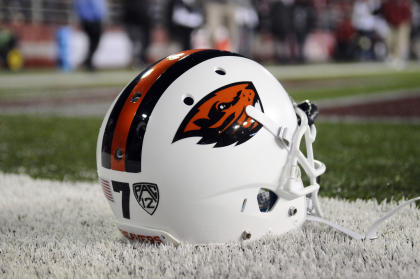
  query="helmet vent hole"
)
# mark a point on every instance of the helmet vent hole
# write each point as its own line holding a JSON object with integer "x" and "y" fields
{"x": 141, "y": 129}
{"x": 243, "y": 205}
{"x": 266, "y": 200}
{"x": 292, "y": 211}
{"x": 220, "y": 71}
{"x": 136, "y": 97}
{"x": 118, "y": 154}
{"x": 188, "y": 100}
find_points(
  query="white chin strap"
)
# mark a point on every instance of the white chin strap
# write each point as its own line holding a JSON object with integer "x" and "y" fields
{"x": 292, "y": 187}
{"x": 371, "y": 232}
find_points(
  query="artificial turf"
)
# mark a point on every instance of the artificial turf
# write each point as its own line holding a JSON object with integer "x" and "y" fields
{"x": 363, "y": 160}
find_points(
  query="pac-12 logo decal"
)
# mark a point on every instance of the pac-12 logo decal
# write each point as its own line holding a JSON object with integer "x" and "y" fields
{"x": 147, "y": 195}
{"x": 220, "y": 116}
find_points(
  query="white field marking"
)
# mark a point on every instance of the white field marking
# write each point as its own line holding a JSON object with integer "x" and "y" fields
{"x": 51, "y": 79}
{"x": 368, "y": 98}
{"x": 368, "y": 119}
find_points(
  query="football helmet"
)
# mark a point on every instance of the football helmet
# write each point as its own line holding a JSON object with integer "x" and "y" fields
{"x": 203, "y": 146}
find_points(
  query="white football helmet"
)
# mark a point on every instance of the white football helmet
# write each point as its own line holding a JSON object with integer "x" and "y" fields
{"x": 203, "y": 147}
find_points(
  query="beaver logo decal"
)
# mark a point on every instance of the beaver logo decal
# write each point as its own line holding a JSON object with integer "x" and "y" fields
{"x": 220, "y": 116}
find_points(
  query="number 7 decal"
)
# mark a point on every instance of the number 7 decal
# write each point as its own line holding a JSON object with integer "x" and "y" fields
{"x": 125, "y": 202}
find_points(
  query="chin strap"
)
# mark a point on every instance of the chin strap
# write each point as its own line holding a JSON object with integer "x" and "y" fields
{"x": 371, "y": 232}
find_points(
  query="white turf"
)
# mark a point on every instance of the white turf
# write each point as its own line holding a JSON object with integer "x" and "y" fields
{"x": 59, "y": 230}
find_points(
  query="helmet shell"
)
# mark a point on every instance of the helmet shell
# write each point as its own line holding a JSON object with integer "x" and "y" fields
{"x": 205, "y": 193}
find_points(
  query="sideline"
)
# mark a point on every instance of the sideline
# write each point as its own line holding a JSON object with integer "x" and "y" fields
{"x": 53, "y": 79}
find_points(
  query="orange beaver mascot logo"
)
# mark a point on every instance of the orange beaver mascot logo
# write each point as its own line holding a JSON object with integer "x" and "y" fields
{"x": 220, "y": 116}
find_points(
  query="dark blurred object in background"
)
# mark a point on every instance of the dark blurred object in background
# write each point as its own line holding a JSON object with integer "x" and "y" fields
{"x": 136, "y": 16}
{"x": 292, "y": 20}
{"x": 184, "y": 16}
{"x": 415, "y": 31}
{"x": 281, "y": 14}
{"x": 303, "y": 23}
{"x": 10, "y": 56}
{"x": 91, "y": 14}
{"x": 344, "y": 36}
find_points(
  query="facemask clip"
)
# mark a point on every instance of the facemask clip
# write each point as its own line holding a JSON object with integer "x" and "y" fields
{"x": 291, "y": 186}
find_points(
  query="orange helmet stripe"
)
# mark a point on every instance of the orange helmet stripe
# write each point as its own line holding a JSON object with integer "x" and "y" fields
{"x": 118, "y": 149}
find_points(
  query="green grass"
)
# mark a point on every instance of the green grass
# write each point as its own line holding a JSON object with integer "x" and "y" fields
{"x": 369, "y": 160}
{"x": 49, "y": 147}
{"x": 39, "y": 84}
{"x": 363, "y": 160}
{"x": 349, "y": 86}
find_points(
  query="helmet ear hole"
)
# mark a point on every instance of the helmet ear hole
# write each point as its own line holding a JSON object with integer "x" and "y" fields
{"x": 266, "y": 199}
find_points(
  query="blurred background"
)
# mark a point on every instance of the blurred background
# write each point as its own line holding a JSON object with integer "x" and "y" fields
{"x": 100, "y": 34}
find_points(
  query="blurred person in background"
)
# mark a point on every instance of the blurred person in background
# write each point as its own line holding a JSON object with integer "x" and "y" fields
{"x": 292, "y": 20}
{"x": 91, "y": 14}
{"x": 344, "y": 35}
{"x": 263, "y": 10}
{"x": 247, "y": 19}
{"x": 184, "y": 17}
{"x": 415, "y": 30}
{"x": 221, "y": 23}
{"x": 281, "y": 14}
{"x": 398, "y": 15}
{"x": 370, "y": 27}
{"x": 303, "y": 22}
{"x": 10, "y": 57}
{"x": 263, "y": 49}
{"x": 136, "y": 16}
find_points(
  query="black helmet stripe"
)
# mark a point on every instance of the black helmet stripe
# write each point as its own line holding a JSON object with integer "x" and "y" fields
{"x": 113, "y": 117}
